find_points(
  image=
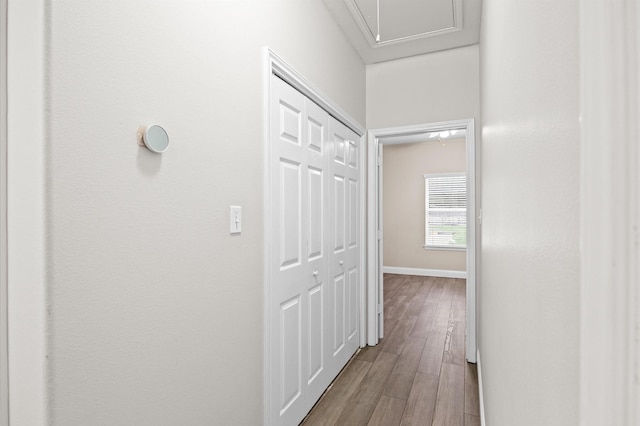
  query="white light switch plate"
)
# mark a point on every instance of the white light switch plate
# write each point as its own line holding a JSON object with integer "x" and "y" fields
{"x": 235, "y": 219}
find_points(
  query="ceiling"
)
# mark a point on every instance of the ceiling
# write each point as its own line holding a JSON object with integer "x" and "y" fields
{"x": 436, "y": 136}
{"x": 407, "y": 27}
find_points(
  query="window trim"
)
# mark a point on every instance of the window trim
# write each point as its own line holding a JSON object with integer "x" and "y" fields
{"x": 458, "y": 248}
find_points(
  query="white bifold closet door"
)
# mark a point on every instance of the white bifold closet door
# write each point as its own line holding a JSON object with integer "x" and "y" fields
{"x": 314, "y": 271}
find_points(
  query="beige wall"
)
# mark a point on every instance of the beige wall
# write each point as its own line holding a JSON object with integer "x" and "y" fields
{"x": 155, "y": 311}
{"x": 403, "y": 202}
{"x": 529, "y": 295}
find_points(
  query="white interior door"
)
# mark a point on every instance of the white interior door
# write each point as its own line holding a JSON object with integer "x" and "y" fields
{"x": 314, "y": 266}
{"x": 344, "y": 250}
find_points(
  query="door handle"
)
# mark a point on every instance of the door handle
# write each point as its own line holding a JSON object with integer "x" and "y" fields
{"x": 341, "y": 263}
{"x": 315, "y": 273}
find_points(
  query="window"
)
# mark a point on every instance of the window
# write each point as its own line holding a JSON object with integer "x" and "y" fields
{"x": 445, "y": 206}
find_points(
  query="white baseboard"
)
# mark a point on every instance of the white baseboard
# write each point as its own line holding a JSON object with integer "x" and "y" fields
{"x": 480, "y": 393}
{"x": 424, "y": 272}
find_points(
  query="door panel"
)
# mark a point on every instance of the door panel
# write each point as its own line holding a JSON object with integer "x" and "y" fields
{"x": 290, "y": 275}
{"x": 316, "y": 338}
{"x": 316, "y": 130}
{"x": 290, "y": 214}
{"x": 290, "y": 127}
{"x": 314, "y": 287}
{"x": 290, "y": 324}
{"x": 344, "y": 256}
{"x": 353, "y": 221}
{"x": 338, "y": 300}
{"x": 353, "y": 287}
{"x": 339, "y": 213}
{"x": 316, "y": 208}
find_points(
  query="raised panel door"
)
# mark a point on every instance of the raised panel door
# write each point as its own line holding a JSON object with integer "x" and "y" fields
{"x": 344, "y": 261}
{"x": 301, "y": 331}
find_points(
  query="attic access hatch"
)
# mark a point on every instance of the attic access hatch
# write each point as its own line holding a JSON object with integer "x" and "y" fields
{"x": 407, "y": 27}
{"x": 403, "y": 20}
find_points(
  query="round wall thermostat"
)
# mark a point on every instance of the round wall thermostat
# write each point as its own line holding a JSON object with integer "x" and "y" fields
{"x": 156, "y": 139}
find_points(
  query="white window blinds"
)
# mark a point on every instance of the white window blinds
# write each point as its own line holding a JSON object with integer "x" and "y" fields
{"x": 445, "y": 217}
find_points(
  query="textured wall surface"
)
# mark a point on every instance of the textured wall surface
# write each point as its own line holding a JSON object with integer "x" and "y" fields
{"x": 156, "y": 312}
{"x": 439, "y": 86}
{"x": 529, "y": 295}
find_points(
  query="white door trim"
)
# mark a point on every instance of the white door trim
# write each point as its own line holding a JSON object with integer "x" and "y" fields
{"x": 373, "y": 215}
{"x": 26, "y": 211}
{"x": 4, "y": 353}
{"x": 610, "y": 213}
{"x": 273, "y": 64}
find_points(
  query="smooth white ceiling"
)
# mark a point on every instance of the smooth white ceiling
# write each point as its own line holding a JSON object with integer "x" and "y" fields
{"x": 424, "y": 137}
{"x": 407, "y": 27}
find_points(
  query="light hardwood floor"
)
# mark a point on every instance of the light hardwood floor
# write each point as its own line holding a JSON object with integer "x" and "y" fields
{"x": 417, "y": 374}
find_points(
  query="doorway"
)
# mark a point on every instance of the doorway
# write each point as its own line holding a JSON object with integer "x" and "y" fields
{"x": 375, "y": 257}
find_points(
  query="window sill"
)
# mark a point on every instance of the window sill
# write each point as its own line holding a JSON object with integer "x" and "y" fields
{"x": 445, "y": 248}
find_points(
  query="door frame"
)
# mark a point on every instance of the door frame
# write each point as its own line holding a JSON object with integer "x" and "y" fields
{"x": 274, "y": 64}
{"x": 374, "y": 221}
{"x": 4, "y": 352}
{"x": 27, "y": 238}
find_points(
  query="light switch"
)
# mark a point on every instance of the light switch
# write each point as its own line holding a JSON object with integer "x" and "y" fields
{"x": 235, "y": 219}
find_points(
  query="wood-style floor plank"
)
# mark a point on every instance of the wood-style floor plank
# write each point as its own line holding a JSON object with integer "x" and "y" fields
{"x": 422, "y": 400}
{"x": 417, "y": 374}
{"x": 369, "y": 353}
{"x": 401, "y": 378}
{"x": 394, "y": 296}
{"x": 454, "y": 343}
{"x": 392, "y": 283}
{"x": 388, "y": 411}
{"x": 404, "y": 297}
{"x": 471, "y": 420}
{"x": 458, "y": 304}
{"x": 443, "y": 311}
{"x": 394, "y": 342}
{"x": 431, "y": 359}
{"x": 362, "y": 404}
{"x": 428, "y": 311}
{"x": 330, "y": 407}
{"x": 425, "y": 284}
{"x": 449, "y": 402}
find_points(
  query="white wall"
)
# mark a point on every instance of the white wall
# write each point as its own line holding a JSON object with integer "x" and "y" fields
{"x": 529, "y": 298}
{"x": 435, "y": 87}
{"x": 156, "y": 312}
